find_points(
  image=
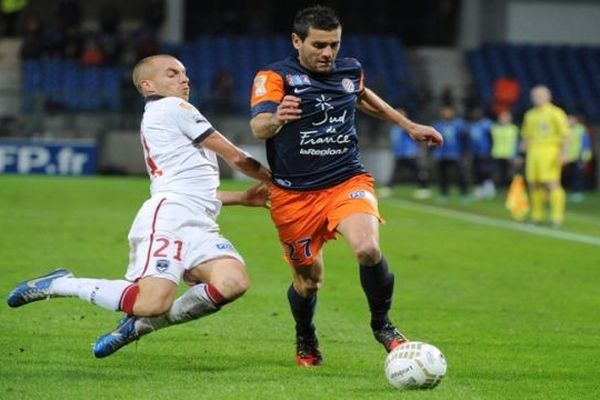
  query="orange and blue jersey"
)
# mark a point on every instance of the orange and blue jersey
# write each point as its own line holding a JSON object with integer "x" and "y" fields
{"x": 319, "y": 150}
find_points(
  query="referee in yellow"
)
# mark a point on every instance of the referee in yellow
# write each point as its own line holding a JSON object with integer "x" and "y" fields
{"x": 545, "y": 133}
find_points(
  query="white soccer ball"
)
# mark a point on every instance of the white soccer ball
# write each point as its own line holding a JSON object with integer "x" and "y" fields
{"x": 415, "y": 365}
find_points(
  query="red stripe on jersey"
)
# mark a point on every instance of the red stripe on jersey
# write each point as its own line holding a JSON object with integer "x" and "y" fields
{"x": 154, "y": 171}
{"x": 152, "y": 236}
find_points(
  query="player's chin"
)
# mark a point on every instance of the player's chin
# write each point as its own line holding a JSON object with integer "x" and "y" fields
{"x": 323, "y": 68}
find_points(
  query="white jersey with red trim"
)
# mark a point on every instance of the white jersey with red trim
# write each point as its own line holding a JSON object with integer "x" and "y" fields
{"x": 170, "y": 131}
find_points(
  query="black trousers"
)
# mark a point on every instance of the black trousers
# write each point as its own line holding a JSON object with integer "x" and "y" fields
{"x": 452, "y": 169}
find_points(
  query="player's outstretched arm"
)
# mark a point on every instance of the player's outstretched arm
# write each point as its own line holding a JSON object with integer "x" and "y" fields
{"x": 256, "y": 196}
{"x": 370, "y": 103}
{"x": 266, "y": 125}
{"x": 237, "y": 158}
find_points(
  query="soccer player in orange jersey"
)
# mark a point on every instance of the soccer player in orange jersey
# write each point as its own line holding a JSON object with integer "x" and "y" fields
{"x": 304, "y": 108}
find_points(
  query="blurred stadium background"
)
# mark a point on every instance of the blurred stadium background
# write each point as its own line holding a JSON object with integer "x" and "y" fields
{"x": 67, "y": 105}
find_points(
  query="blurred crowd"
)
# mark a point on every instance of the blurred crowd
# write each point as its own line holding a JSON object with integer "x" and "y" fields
{"x": 107, "y": 44}
{"x": 482, "y": 153}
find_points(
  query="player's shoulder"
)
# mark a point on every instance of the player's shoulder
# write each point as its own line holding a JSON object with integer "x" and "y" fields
{"x": 558, "y": 110}
{"x": 177, "y": 106}
{"x": 530, "y": 112}
{"x": 177, "y": 102}
{"x": 280, "y": 67}
{"x": 348, "y": 62}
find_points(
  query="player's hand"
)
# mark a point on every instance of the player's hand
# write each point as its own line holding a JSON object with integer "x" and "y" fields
{"x": 288, "y": 110}
{"x": 258, "y": 196}
{"x": 426, "y": 134}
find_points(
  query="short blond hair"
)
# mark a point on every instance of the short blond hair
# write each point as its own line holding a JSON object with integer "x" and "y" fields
{"x": 143, "y": 70}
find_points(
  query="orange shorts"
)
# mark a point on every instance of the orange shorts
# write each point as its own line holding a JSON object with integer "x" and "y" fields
{"x": 305, "y": 220}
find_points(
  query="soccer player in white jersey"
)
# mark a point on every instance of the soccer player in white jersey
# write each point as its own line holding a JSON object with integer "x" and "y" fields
{"x": 175, "y": 234}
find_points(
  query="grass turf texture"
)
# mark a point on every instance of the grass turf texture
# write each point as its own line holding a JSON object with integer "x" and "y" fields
{"x": 516, "y": 314}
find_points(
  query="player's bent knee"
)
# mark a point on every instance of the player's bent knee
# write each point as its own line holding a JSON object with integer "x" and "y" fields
{"x": 368, "y": 252}
{"x": 232, "y": 282}
{"x": 308, "y": 287}
{"x": 234, "y": 287}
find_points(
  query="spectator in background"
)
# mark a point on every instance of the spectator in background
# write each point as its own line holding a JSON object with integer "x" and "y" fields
{"x": 92, "y": 53}
{"x": 505, "y": 137}
{"x": 447, "y": 97}
{"x": 506, "y": 93}
{"x": 222, "y": 88}
{"x": 69, "y": 41}
{"x": 146, "y": 41}
{"x": 110, "y": 39}
{"x": 450, "y": 159}
{"x": 406, "y": 163}
{"x": 580, "y": 152}
{"x": 34, "y": 43}
{"x": 545, "y": 134}
{"x": 480, "y": 144}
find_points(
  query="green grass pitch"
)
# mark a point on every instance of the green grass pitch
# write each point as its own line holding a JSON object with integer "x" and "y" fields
{"x": 517, "y": 313}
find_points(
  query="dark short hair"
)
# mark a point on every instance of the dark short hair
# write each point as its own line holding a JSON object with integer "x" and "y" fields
{"x": 316, "y": 17}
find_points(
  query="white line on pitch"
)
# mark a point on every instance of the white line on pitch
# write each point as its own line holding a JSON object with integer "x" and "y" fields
{"x": 498, "y": 223}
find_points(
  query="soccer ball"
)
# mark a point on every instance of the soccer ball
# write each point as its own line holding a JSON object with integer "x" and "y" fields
{"x": 415, "y": 365}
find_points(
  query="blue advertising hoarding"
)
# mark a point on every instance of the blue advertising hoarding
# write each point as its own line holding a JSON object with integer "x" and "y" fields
{"x": 48, "y": 156}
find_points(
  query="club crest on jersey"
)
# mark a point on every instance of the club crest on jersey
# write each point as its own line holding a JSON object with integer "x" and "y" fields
{"x": 283, "y": 182}
{"x": 297, "y": 80}
{"x": 363, "y": 194}
{"x": 162, "y": 265}
{"x": 348, "y": 85}
{"x": 358, "y": 194}
{"x": 224, "y": 246}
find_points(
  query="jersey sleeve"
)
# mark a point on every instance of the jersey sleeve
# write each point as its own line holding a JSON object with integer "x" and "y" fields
{"x": 267, "y": 91}
{"x": 191, "y": 122}
{"x": 361, "y": 79}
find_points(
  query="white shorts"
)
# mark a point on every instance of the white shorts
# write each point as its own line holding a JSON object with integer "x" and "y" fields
{"x": 171, "y": 235}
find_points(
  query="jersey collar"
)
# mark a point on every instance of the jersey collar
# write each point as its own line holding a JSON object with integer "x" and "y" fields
{"x": 154, "y": 97}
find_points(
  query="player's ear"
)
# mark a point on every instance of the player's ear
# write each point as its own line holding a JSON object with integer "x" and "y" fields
{"x": 146, "y": 85}
{"x": 296, "y": 41}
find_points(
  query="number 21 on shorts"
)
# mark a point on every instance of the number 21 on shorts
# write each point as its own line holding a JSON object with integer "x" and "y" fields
{"x": 164, "y": 248}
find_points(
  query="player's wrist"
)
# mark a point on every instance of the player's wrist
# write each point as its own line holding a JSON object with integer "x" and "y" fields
{"x": 276, "y": 124}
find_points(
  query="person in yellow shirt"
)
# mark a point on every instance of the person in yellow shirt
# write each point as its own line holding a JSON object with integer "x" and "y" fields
{"x": 545, "y": 134}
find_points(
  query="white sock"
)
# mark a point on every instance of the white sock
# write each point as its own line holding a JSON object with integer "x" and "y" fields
{"x": 102, "y": 292}
{"x": 193, "y": 304}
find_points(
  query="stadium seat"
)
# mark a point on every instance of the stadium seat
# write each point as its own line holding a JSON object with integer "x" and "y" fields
{"x": 571, "y": 72}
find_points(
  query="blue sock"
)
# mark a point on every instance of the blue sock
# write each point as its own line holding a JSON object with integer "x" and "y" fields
{"x": 303, "y": 310}
{"x": 378, "y": 284}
